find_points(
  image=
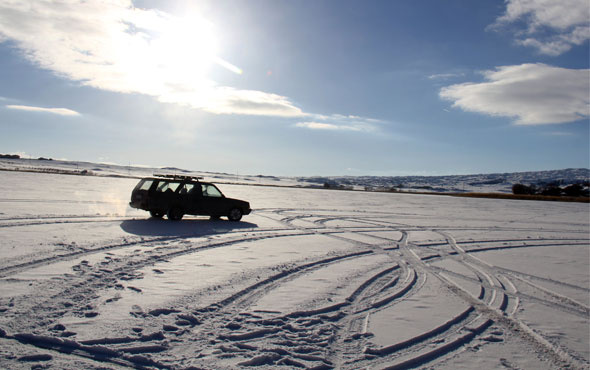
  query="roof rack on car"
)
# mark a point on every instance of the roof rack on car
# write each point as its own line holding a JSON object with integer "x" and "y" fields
{"x": 178, "y": 177}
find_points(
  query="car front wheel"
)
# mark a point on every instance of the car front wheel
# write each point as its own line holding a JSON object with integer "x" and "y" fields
{"x": 175, "y": 214}
{"x": 235, "y": 214}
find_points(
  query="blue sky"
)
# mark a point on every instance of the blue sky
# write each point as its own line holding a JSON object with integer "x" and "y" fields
{"x": 299, "y": 87}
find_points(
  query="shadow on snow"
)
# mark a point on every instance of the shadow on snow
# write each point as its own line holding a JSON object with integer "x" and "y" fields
{"x": 185, "y": 227}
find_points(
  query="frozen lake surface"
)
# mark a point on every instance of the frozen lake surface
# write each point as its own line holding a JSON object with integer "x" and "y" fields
{"x": 311, "y": 279}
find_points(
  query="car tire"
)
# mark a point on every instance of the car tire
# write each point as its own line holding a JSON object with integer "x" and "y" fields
{"x": 235, "y": 214}
{"x": 213, "y": 218}
{"x": 156, "y": 214}
{"x": 175, "y": 214}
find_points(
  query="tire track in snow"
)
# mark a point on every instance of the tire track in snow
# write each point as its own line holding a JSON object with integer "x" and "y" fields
{"x": 61, "y": 221}
{"x": 414, "y": 341}
{"x": 101, "y": 275}
{"x": 141, "y": 241}
{"x": 516, "y": 295}
{"x": 298, "y": 322}
{"x": 327, "y": 336}
{"x": 492, "y": 308}
{"x": 54, "y": 217}
{"x": 417, "y": 341}
{"x": 419, "y": 349}
{"x": 501, "y": 273}
{"x": 558, "y": 355}
{"x": 210, "y": 316}
{"x": 540, "y": 278}
{"x": 244, "y": 339}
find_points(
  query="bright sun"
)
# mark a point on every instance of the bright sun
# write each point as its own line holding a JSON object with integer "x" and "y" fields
{"x": 171, "y": 57}
{"x": 186, "y": 47}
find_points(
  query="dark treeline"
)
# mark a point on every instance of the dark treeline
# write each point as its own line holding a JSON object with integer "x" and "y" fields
{"x": 553, "y": 189}
{"x": 16, "y": 156}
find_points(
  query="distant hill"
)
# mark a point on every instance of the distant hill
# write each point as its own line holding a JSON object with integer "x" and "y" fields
{"x": 495, "y": 182}
{"x": 492, "y": 183}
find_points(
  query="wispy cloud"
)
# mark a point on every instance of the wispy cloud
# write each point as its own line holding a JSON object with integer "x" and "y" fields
{"x": 117, "y": 47}
{"x": 338, "y": 122}
{"x": 445, "y": 76}
{"x": 531, "y": 93}
{"x": 325, "y": 126}
{"x": 552, "y": 27}
{"x": 559, "y": 133}
{"x": 59, "y": 111}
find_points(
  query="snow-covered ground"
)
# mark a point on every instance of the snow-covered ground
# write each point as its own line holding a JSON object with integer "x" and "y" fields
{"x": 311, "y": 279}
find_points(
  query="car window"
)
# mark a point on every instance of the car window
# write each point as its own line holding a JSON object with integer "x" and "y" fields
{"x": 187, "y": 189}
{"x": 143, "y": 184}
{"x": 210, "y": 191}
{"x": 167, "y": 186}
{"x": 146, "y": 185}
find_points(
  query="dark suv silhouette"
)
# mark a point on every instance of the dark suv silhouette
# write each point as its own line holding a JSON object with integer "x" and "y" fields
{"x": 176, "y": 196}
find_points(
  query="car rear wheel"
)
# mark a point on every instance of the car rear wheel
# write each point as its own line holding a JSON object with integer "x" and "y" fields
{"x": 157, "y": 214}
{"x": 235, "y": 214}
{"x": 175, "y": 214}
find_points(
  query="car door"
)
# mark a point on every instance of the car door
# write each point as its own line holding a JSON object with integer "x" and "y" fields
{"x": 212, "y": 201}
{"x": 189, "y": 195}
{"x": 163, "y": 195}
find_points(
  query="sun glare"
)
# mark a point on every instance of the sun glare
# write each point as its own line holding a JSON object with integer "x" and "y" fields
{"x": 171, "y": 57}
{"x": 186, "y": 47}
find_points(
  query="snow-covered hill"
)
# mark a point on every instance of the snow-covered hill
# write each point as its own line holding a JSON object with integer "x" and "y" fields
{"x": 496, "y": 182}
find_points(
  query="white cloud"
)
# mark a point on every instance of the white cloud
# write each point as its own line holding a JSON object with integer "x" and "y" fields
{"x": 227, "y": 100}
{"x": 531, "y": 93}
{"x": 552, "y": 26}
{"x": 117, "y": 47}
{"x": 59, "y": 111}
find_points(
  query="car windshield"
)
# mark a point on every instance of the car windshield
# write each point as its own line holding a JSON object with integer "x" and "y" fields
{"x": 210, "y": 191}
{"x": 144, "y": 184}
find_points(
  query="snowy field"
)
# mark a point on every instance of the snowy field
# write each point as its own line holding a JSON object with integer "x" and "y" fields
{"x": 311, "y": 279}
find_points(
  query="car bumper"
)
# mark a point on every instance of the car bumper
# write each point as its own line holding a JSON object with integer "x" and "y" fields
{"x": 138, "y": 205}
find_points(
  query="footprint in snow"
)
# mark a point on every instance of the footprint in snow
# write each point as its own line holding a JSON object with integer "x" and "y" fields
{"x": 35, "y": 358}
{"x": 114, "y": 299}
{"x": 136, "y": 311}
{"x": 58, "y": 327}
{"x": 233, "y": 326}
{"x": 170, "y": 328}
